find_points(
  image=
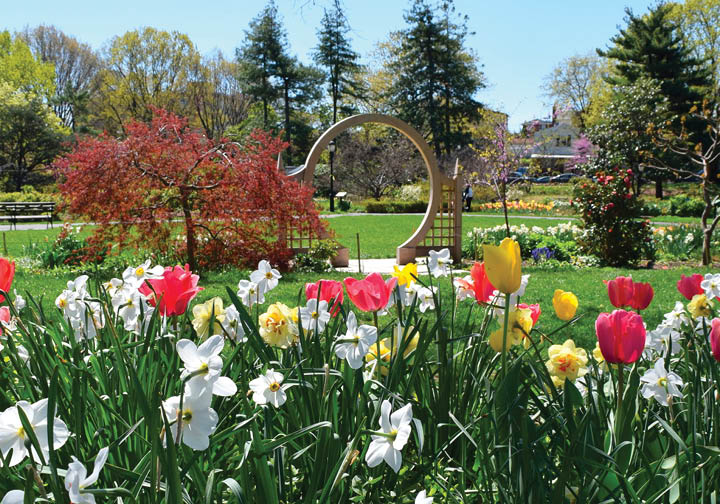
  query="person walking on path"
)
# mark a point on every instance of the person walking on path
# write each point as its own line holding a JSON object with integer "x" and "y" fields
{"x": 467, "y": 196}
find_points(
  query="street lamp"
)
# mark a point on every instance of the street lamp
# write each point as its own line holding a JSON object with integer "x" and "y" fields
{"x": 331, "y": 149}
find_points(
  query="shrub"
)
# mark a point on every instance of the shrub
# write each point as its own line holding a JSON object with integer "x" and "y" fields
{"x": 68, "y": 249}
{"x": 316, "y": 260}
{"x": 611, "y": 212}
{"x": 344, "y": 205}
{"x": 685, "y": 206}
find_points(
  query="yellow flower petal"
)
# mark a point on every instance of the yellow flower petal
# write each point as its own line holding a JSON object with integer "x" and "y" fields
{"x": 503, "y": 265}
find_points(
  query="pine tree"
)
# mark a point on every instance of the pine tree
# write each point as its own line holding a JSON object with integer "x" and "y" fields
{"x": 652, "y": 47}
{"x": 437, "y": 78}
{"x": 336, "y": 55}
{"x": 260, "y": 58}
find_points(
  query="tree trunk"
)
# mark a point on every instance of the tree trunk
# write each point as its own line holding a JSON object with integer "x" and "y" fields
{"x": 286, "y": 97}
{"x": 659, "y": 188}
{"x": 189, "y": 230}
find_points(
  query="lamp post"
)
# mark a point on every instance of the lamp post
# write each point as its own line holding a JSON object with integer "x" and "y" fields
{"x": 331, "y": 149}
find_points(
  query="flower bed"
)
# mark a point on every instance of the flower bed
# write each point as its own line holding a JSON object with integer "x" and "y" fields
{"x": 369, "y": 390}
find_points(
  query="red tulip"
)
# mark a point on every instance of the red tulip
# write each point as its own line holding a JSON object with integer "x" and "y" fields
{"x": 690, "y": 286}
{"x": 642, "y": 295}
{"x": 7, "y": 273}
{"x": 174, "y": 290}
{"x": 715, "y": 338}
{"x": 329, "y": 290}
{"x": 534, "y": 311}
{"x": 620, "y": 291}
{"x": 481, "y": 283}
{"x": 621, "y": 336}
{"x": 370, "y": 294}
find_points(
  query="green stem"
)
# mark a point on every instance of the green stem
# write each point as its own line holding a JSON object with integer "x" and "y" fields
{"x": 620, "y": 387}
{"x": 505, "y": 331}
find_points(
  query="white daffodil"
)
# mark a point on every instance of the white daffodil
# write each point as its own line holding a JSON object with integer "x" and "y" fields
{"x": 266, "y": 277}
{"x": 387, "y": 444}
{"x": 232, "y": 326}
{"x": 314, "y": 316}
{"x": 711, "y": 285}
{"x": 13, "y": 436}
{"x": 677, "y": 317}
{"x": 268, "y": 388}
{"x": 354, "y": 346}
{"x": 13, "y": 497}
{"x": 250, "y": 293}
{"x": 426, "y": 299}
{"x": 422, "y": 498}
{"x": 462, "y": 291}
{"x": 660, "y": 384}
{"x": 197, "y": 419}
{"x": 439, "y": 262}
{"x": 136, "y": 276}
{"x": 19, "y": 301}
{"x": 660, "y": 339}
{"x": 128, "y": 303}
{"x": 77, "y": 479}
{"x": 205, "y": 361}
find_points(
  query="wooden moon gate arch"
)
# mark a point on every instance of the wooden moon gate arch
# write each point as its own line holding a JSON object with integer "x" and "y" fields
{"x": 441, "y": 226}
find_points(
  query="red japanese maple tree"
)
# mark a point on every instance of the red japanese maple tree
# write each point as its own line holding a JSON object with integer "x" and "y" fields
{"x": 144, "y": 189}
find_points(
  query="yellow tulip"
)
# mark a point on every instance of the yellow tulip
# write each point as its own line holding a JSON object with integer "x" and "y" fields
{"x": 407, "y": 275}
{"x": 204, "y": 312}
{"x": 565, "y": 304}
{"x": 503, "y": 265}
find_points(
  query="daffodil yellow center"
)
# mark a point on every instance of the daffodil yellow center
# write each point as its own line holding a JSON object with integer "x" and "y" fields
{"x": 314, "y": 315}
{"x": 269, "y": 275}
{"x": 393, "y": 433}
{"x": 662, "y": 381}
{"x": 62, "y": 302}
{"x": 187, "y": 415}
{"x": 140, "y": 271}
{"x": 274, "y": 387}
{"x": 21, "y": 433}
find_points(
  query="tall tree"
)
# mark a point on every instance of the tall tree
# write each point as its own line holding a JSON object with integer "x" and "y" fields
{"x": 261, "y": 56}
{"x": 76, "y": 69}
{"x": 145, "y": 68}
{"x": 336, "y": 55}
{"x": 651, "y": 47}
{"x": 22, "y": 71}
{"x": 699, "y": 22}
{"x": 217, "y": 95}
{"x": 437, "y": 78}
{"x": 30, "y": 136}
{"x": 571, "y": 82}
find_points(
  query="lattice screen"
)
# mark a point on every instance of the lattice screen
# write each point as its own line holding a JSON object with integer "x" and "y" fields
{"x": 300, "y": 236}
{"x": 442, "y": 232}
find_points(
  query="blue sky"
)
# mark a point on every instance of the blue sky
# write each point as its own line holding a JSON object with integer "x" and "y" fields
{"x": 517, "y": 41}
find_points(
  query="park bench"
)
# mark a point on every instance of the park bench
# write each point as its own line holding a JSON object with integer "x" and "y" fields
{"x": 14, "y": 211}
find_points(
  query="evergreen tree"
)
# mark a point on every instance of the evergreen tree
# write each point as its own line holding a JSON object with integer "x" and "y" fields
{"x": 437, "y": 78}
{"x": 335, "y": 54}
{"x": 261, "y": 56}
{"x": 652, "y": 47}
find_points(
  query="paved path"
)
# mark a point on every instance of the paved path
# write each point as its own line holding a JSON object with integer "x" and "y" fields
{"x": 384, "y": 266}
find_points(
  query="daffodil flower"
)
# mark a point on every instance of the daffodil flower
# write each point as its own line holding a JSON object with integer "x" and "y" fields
{"x": 265, "y": 276}
{"x": 202, "y": 313}
{"x": 77, "y": 480}
{"x": 356, "y": 342}
{"x": 661, "y": 384}
{"x": 197, "y": 420}
{"x": 205, "y": 363}
{"x": 136, "y": 276}
{"x": 269, "y": 389}
{"x": 387, "y": 443}
{"x": 13, "y": 436}
{"x": 439, "y": 262}
{"x": 13, "y": 497}
{"x": 314, "y": 316}
{"x": 250, "y": 293}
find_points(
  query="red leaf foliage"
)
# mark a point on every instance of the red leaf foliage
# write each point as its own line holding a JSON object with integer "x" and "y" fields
{"x": 171, "y": 190}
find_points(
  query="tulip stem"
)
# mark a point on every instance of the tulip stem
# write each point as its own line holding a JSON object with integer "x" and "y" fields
{"x": 505, "y": 331}
{"x": 619, "y": 387}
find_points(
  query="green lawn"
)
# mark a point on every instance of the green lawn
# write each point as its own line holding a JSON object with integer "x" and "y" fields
{"x": 384, "y": 233}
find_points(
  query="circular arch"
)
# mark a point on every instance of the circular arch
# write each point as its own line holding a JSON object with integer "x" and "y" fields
{"x": 407, "y": 251}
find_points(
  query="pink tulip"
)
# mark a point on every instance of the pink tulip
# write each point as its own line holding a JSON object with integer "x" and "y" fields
{"x": 175, "y": 290}
{"x": 621, "y": 336}
{"x": 7, "y": 273}
{"x": 642, "y": 295}
{"x": 690, "y": 286}
{"x": 4, "y": 317}
{"x": 534, "y": 311}
{"x": 329, "y": 290}
{"x": 620, "y": 291}
{"x": 715, "y": 338}
{"x": 370, "y": 294}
